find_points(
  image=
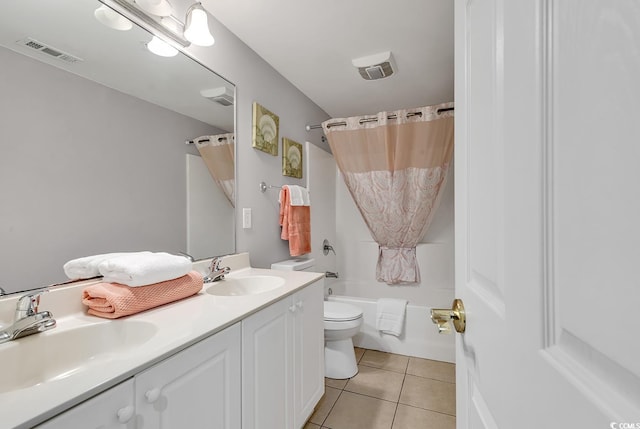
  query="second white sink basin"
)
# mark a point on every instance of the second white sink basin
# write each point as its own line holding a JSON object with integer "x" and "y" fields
{"x": 240, "y": 286}
{"x": 59, "y": 353}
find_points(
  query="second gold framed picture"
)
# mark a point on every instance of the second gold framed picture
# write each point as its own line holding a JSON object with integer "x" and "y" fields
{"x": 291, "y": 158}
{"x": 265, "y": 129}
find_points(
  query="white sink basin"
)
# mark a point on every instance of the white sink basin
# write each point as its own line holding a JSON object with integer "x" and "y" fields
{"x": 59, "y": 353}
{"x": 240, "y": 286}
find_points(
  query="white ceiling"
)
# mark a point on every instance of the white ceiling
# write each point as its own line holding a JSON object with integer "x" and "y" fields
{"x": 312, "y": 43}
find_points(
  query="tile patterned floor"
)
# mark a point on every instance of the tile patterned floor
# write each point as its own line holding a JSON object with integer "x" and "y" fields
{"x": 389, "y": 392}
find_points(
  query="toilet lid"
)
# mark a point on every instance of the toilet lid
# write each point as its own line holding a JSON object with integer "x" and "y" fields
{"x": 341, "y": 311}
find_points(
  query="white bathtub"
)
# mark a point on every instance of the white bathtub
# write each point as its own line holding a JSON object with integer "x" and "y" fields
{"x": 420, "y": 336}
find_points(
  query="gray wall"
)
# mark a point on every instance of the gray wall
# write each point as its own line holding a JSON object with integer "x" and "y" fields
{"x": 256, "y": 80}
{"x": 84, "y": 167}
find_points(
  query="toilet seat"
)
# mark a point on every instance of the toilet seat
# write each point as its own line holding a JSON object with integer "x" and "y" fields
{"x": 340, "y": 312}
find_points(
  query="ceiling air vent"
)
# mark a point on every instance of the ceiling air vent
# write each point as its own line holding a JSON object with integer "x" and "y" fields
{"x": 221, "y": 95}
{"x": 49, "y": 50}
{"x": 375, "y": 66}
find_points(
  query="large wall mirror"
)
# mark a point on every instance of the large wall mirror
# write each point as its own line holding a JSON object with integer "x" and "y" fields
{"x": 93, "y": 155}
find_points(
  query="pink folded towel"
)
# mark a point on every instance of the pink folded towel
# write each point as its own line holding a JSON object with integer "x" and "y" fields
{"x": 113, "y": 300}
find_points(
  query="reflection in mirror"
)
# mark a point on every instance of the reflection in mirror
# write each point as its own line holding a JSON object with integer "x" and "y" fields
{"x": 93, "y": 144}
{"x": 206, "y": 202}
{"x": 218, "y": 154}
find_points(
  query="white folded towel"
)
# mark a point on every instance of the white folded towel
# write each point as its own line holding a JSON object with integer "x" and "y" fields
{"x": 87, "y": 266}
{"x": 390, "y": 315}
{"x": 298, "y": 195}
{"x": 144, "y": 269}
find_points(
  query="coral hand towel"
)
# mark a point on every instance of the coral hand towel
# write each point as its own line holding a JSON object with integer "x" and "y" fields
{"x": 296, "y": 224}
{"x": 113, "y": 300}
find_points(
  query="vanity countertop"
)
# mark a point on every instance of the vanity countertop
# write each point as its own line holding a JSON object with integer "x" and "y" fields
{"x": 175, "y": 327}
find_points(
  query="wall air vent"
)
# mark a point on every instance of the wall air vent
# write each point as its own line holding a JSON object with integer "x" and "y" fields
{"x": 49, "y": 50}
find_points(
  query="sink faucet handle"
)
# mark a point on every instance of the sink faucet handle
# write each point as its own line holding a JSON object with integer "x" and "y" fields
{"x": 28, "y": 304}
{"x": 215, "y": 264}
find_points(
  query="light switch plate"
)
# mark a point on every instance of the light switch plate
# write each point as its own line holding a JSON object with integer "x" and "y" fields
{"x": 246, "y": 218}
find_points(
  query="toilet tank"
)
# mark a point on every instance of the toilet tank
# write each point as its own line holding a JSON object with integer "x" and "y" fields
{"x": 294, "y": 265}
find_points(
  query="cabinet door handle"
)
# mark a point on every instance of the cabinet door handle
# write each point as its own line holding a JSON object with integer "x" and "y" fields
{"x": 124, "y": 414}
{"x": 299, "y": 304}
{"x": 292, "y": 308}
{"x": 152, "y": 395}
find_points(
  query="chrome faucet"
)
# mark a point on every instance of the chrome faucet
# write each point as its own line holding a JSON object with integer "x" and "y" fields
{"x": 215, "y": 272}
{"x": 27, "y": 319}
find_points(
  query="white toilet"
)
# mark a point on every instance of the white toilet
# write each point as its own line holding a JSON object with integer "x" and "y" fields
{"x": 341, "y": 322}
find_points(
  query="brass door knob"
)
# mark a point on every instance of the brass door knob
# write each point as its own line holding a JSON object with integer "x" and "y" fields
{"x": 442, "y": 317}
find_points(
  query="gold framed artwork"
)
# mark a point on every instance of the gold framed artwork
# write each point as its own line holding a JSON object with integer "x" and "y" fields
{"x": 291, "y": 158}
{"x": 265, "y": 129}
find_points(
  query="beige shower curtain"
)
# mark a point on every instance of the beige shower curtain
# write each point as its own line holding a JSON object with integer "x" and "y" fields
{"x": 395, "y": 165}
{"x": 218, "y": 154}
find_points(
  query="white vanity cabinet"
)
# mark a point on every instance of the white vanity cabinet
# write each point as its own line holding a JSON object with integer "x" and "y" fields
{"x": 198, "y": 387}
{"x": 283, "y": 361}
{"x": 264, "y": 372}
{"x": 113, "y": 409}
{"x": 308, "y": 334}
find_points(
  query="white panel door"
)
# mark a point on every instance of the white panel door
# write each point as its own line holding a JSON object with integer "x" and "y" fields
{"x": 308, "y": 328}
{"x": 267, "y": 376}
{"x": 196, "y": 388}
{"x": 112, "y": 409}
{"x": 479, "y": 249}
{"x": 547, "y": 208}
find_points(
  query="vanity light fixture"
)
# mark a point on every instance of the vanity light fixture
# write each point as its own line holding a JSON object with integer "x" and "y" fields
{"x": 112, "y": 19}
{"x": 155, "y": 7}
{"x": 169, "y": 27}
{"x": 161, "y": 48}
{"x": 196, "y": 29}
{"x": 154, "y": 13}
{"x": 173, "y": 24}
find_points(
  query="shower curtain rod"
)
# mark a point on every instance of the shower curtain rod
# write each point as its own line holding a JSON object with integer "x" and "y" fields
{"x": 372, "y": 119}
{"x": 204, "y": 140}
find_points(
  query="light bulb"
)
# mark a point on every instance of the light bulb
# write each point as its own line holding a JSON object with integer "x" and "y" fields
{"x": 197, "y": 28}
{"x": 161, "y": 48}
{"x": 112, "y": 19}
{"x": 155, "y": 7}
